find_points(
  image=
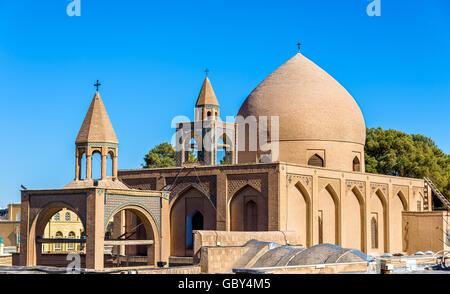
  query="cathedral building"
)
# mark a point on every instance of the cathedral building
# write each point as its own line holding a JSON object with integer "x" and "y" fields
{"x": 317, "y": 185}
{"x": 292, "y": 162}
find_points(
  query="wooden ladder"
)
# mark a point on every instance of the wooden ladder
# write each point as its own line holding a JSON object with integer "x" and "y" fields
{"x": 438, "y": 193}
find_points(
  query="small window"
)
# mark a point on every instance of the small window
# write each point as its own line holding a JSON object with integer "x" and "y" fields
{"x": 67, "y": 216}
{"x": 419, "y": 205}
{"x": 71, "y": 246}
{"x": 356, "y": 164}
{"x": 58, "y": 235}
{"x": 315, "y": 160}
{"x": 56, "y": 217}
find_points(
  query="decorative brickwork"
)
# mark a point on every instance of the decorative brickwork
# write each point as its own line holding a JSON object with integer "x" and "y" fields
{"x": 150, "y": 203}
{"x": 141, "y": 183}
{"x": 306, "y": 181}
{"x": 403, "y": 189}
{"x": 375, "y": 186}
{"x": 256, "y": 181}
{"x": 205, "y": 184}
{"x": 361, "y": 186}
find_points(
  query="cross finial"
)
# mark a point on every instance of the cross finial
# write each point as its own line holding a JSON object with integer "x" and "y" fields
{"x": 206, "y": 72}
{"x": 298, "y": 45}
{"x": 97, "y": 84}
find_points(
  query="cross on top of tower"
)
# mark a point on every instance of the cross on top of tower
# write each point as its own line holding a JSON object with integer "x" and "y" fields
{"x": 97, "y": 84}
{"x": 206, "y": 71}
{"x": 298, "y": 45}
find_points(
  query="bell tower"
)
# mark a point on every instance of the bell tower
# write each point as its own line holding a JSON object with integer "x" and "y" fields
{"x": 207, "y": 106}
{"x": 207, "y": 137}
{"x": 96, "y": 135}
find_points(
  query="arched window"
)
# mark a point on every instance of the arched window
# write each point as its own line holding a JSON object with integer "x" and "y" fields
{"x": 56, "y": 217}
{"x": 109, "y": 165}
{"x": 356, "y": 164}
{"x": 251, "y": 216}
{"x": 70, "y": 246}
{"x": 96, "y": 165}
{"x": 374, "y": 233}
{"x": 67, "y": 216}
{"x": 208, "y": 114}
{"x": 58, "y": 235}
{"x": 315, "y": 160}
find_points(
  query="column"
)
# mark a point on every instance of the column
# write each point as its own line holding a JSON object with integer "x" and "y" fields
{"x": 77, "y": 166}
{"x": 88, "y": 166}
{"x": 114, "y": 171}
{"x": 95, "y": 229}
{"x": 104, "y": 160}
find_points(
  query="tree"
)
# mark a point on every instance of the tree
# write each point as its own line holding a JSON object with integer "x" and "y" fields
{"x": 163, "y": 155}
{"x": 395, "y": 153}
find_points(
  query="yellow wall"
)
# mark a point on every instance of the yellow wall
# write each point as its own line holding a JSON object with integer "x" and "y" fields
{"x": 65, "y": 227}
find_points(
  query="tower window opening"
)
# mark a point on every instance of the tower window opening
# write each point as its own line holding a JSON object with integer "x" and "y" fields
{"x": 356, "y": 164}
{"x": 316, "y": 160}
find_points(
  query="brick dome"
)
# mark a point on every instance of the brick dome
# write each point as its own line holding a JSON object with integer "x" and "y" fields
{"x": 312, "y": 107}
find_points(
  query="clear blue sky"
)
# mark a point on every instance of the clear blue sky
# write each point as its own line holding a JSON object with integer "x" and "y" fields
{"x": 150, "y": 57}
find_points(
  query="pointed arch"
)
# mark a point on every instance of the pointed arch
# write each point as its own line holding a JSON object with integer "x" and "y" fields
{"x": 403, "y": 199}
{"x": 353, "y": 230}
{"x": 237, "y": 205}
{"x": 186, "y": 203}
{"x": 382, "y": 222}
{"x": 316, "y": 160}
{"x": 397, "y": 205}
{"x": 299, "y": 212}
{"x": 330, "y": 216}
{"x": 356, "y": 164}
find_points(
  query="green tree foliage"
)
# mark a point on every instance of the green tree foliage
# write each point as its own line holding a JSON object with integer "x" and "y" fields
{"x": 395, "y": 153}
{"x": 163, "y": 155}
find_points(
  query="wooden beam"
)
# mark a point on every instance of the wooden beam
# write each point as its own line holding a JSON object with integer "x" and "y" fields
{"x": 128, "y": 242}
{"x": 59, "y": 240}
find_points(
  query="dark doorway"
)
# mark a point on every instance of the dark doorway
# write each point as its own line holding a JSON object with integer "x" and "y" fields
{"x": 194, "y": 221}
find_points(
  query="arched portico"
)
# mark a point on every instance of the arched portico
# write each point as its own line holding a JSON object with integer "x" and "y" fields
{"x": 146, "y": 219}
{"x": 37, "y": 227}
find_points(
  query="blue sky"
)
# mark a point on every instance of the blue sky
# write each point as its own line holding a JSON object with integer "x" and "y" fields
{"x": 150, "y": 57}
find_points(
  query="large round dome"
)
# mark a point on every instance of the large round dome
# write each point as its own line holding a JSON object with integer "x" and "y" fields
{"x": 312, "y": 107}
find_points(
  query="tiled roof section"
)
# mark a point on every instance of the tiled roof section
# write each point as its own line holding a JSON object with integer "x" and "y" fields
{"x": 96, "y": 127}
{"x": 207, "y": 96}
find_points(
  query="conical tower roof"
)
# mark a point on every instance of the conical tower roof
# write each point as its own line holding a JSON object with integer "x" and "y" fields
{"x": 96, "y": 127}
{"x": 207, "y": 96}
